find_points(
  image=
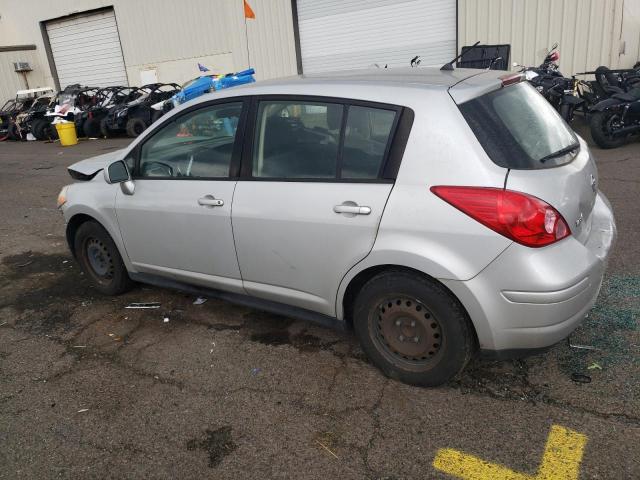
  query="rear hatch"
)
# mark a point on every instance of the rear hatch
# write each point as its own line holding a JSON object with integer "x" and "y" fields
{"x": 522, "y": 132}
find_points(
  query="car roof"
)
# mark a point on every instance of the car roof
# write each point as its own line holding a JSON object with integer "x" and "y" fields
{"x": 386, "y": 85}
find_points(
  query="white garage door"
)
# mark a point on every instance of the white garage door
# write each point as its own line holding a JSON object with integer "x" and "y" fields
{"x": 346, "y": 34}
{"x": 86, "y": 50}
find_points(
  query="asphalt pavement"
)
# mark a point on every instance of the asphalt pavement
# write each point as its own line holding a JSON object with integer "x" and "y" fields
{"x": 89, "y": 389}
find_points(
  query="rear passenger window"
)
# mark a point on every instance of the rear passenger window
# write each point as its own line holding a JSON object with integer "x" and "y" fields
{"x": 365, "y": 144}
{"x": 297, "y": 140}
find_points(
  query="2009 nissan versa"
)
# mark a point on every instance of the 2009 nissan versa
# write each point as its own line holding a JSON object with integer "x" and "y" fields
{"x": 438, "y": 212}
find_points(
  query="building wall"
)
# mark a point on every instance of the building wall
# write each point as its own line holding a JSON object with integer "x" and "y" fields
{"x": 170, "y": 36}
{"x": 590, "y": 33}
{"x": 10, "y": 81}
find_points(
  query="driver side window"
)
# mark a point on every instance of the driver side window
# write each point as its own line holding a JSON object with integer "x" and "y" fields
{"x": 196, "y": 145}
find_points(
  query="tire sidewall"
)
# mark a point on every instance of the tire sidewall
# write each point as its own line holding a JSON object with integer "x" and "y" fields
{"x": 120, "y": 281}
{"x": 599, "y": 136}
{"x": 135, "y": 124}
{"x": 457, "y": 344}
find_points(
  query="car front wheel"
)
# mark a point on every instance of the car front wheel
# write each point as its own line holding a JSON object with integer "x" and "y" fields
{"x": 100, "y": 259}
{"x": 412, "y": 328}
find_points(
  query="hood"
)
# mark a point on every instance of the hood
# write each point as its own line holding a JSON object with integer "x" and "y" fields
{"x": 88, "y": 168}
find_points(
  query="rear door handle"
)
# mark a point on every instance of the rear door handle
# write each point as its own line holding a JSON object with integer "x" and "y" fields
{"x": 210, "y": 201}
{"x": 352, "y": 209}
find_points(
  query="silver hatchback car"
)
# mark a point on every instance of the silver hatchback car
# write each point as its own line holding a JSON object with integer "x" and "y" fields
{"x": 437, "y": 212}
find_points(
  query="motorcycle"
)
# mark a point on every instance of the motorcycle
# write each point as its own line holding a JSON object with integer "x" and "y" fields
{"x": 562, "y": 92}
{"x": 616, "y": 119}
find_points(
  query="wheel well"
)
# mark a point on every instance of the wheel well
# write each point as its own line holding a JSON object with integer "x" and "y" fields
{"x": 364, "y": 276}
{"x": 72, "y": 228}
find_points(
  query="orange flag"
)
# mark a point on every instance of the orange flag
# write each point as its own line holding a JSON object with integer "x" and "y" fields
{"x": 248, "y": 12}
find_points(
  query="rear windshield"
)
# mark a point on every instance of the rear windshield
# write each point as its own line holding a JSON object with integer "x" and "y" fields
{"x": 519, "y": 129}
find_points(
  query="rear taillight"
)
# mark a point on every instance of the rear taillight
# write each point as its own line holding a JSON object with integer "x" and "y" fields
{"x": 522, "y": 218}
{"x": 511, "y": 79}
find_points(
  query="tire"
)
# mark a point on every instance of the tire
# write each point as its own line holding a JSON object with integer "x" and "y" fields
{"x": 49, "y": 131}
{"x": 412, "y": 328}
{"x": 599, "y": 131}
{"x": 135, "y": 126}
{"x": 566, "y": 112}
{"x": 37, "y": 128}
{"x": 104, "y": 129}
{"x": 91, "y": 128}
{"x": 14, "y": 134}
{"x": 100, "y": 260}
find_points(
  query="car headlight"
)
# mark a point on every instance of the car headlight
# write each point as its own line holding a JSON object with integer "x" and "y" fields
{"x": 62, "y": 196}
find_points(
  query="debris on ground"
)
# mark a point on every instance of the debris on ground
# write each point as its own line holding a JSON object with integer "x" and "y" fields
{"x": 594, "y": 366}
{"x": 25, "y": 264}
{"x": 199, "y": 301}
{"x": 166, "y": 320}
{"x": 79, "y": 346}
{"x": 581, "y": 347}
{"x": 580, "y": 378}
{"x": 255, "y": 371}
{"x": 143, "y": 305}
{"x": 82, "y": 410}
{"x": 326, "y": 448}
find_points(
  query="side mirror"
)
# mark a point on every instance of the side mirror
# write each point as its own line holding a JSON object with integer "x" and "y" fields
{"x": 117, "y": 172}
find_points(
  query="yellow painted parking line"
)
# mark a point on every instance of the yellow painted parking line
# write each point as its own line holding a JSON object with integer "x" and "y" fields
{"x": 560, "y": 461}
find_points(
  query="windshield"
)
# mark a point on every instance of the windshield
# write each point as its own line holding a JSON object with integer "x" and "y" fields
{"x": 519, "y": 129}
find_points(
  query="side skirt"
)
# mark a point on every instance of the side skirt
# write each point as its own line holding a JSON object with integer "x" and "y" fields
{"x": 245, "y": 300}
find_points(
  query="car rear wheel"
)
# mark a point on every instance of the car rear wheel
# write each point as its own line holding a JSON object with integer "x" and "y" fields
{"x": 412, "y": 328}
{"x": 135, "y": 126}
{"x": 100, "y": 259}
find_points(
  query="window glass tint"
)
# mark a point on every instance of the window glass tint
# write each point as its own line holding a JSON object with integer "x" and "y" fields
{"x": 517, "y": 127}
{"x": 297, "y": 140}
{"x": 366, "y": 137}
{"x": 198, "y": 144}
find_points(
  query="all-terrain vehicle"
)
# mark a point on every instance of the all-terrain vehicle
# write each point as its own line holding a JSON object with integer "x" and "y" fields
{"x": 11, "y": 110}
{"x": 33, "y": 120}
{"x": 93, "y": 120}
{"x": 135, "y": 116}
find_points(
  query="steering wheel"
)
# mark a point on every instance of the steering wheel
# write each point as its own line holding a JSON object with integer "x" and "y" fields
{"x": 157, "y": 169}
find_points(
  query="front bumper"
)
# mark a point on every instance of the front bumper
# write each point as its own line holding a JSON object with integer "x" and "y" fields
{"x": 528, "y": 298}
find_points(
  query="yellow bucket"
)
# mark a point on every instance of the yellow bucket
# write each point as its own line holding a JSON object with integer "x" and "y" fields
{"x": 67, "y": 134}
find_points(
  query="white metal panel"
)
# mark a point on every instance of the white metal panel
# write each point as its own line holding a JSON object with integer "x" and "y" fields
{"x": 86, "y": 50}
{"x": 346, "y": 34}
{"x": 10, "y": 81}
{"x": 589, "y": 32}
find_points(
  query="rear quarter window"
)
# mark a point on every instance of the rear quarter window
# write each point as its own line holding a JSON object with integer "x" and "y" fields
{"x": 519, "y": 129}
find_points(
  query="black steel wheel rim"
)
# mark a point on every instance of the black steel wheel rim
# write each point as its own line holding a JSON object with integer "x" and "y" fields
{"x": 99, "y": 259}
{"x": 407, "y": 331}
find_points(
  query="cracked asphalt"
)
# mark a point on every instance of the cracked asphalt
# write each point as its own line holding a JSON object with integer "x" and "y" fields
{"x": 89, "y": 389}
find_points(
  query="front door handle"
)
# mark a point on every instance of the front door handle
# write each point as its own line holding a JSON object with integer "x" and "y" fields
{"x": 352, "y": 209}
{"x": 210, "y": 201}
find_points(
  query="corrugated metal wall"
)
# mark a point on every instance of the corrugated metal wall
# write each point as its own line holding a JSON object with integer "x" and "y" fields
{"x": 590, "y": 32}
{"x": 10, "y": 81}
{"x": 170, "y": 36}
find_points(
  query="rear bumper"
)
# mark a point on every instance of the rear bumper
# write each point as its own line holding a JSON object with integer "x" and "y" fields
{"x": 531, "y": 298}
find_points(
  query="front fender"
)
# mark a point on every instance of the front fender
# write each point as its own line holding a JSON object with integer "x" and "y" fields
{"x": 96, "y": 199}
